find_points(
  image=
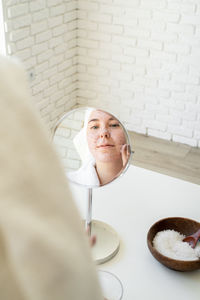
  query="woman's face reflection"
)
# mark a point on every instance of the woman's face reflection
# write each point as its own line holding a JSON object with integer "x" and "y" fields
{"x": 105, "y": 137}
{"x": 100, "y": 150}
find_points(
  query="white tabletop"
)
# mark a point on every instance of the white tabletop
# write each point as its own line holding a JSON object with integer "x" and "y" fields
{"x": 131, "y": 205}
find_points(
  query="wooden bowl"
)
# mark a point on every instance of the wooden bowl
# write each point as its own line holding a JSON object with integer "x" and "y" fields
{"x": 182, "y": 225}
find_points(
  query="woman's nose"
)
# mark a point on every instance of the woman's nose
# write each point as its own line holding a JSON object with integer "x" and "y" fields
{"x": 104, "y": 133}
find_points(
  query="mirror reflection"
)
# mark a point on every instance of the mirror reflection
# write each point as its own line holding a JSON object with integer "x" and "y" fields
{"x": 94, "y": 146}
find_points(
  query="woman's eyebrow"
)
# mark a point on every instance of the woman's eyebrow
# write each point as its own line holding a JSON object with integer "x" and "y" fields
{"x": 94, "y": 120}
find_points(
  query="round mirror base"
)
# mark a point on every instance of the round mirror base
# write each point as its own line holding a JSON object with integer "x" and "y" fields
{"x": 107, "y": 244}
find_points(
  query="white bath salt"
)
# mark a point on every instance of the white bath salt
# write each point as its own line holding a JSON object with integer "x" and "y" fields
{"x": 170, "y": 243}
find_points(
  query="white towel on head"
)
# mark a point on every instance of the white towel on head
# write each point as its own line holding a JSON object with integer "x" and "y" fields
{"x": 80, "y": 141}
{"x": 86, "y": 174}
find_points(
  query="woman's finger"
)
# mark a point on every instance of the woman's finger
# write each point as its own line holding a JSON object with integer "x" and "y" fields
{"x": 125, "y": 152}
{"x": 92, "y": 238}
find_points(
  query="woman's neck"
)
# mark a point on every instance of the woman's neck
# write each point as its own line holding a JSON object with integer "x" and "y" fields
{"x": 108, "y": 171}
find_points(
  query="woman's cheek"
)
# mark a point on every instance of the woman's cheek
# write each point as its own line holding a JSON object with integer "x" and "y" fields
{"x": 120, "y": 139}
{"x": 91, "y": 143}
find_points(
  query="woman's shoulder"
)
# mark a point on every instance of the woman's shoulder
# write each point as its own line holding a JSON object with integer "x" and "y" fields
{"x": 85, "y": 175}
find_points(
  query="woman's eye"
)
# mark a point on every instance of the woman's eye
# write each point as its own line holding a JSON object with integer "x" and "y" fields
{"x": 114, "y": 125}
{"x": 94, "y": 127}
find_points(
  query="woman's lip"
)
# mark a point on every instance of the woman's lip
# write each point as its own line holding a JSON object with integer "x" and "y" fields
{"x": 105, "y": 146}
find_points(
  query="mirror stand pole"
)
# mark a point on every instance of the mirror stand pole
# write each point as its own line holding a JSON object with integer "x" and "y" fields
{"x": 88, "y": 223}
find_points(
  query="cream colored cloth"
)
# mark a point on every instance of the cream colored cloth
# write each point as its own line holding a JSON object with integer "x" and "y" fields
{"x": 44, "y": 252}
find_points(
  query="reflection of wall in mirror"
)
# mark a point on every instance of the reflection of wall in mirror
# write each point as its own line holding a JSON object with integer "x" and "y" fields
{"x": 63, "y": 140}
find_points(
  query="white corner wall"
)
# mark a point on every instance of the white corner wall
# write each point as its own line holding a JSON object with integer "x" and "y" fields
{"x": 141, "y": 60}
{"x": 42, "y": 33}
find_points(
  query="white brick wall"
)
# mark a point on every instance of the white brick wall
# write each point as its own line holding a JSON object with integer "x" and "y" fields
{"x": 141, "y": 60}
{"x": 42, "y": 33}
{"x": 63, "y": 139}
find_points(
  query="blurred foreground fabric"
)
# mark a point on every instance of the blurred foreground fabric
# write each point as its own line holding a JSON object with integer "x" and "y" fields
{"x": 44, "y": 252}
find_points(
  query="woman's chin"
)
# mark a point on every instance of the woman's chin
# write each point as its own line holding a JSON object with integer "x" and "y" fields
{"x": 107, "y": 158}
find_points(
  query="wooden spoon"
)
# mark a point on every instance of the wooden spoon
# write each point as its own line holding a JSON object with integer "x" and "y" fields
{"x": 192, "y": 239}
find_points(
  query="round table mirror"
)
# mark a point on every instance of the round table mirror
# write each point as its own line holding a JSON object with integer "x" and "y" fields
{"x": 95, "y": 150}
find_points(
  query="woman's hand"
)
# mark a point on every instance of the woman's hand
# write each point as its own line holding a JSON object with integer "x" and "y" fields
{"x": 92, "y": 238}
